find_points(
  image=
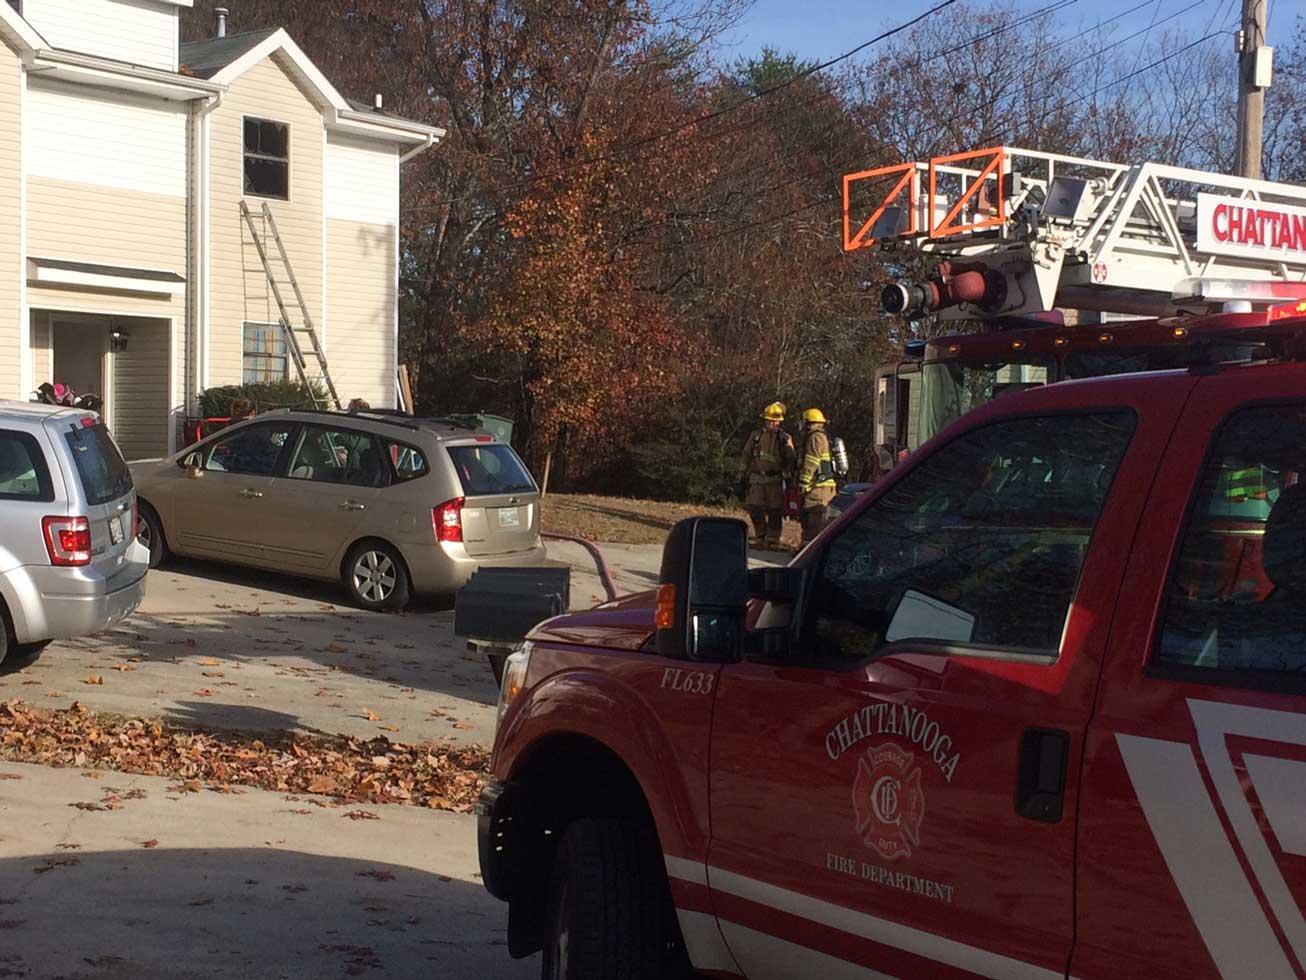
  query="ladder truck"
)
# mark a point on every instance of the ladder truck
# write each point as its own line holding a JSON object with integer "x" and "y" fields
{"x": 1047, "y": 267}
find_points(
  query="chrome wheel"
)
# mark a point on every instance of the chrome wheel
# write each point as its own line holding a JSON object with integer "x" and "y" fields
{"x": 145, "y": 534}
{"x": 375, "y": 576}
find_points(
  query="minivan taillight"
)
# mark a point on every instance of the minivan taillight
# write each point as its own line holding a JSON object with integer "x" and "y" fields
{"x": 68, "y": 540}
{"x": 448, "y": 518}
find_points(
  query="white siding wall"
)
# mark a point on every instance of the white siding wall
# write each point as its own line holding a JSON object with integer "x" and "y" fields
{"x": 362, "y": 180}
{"x": 91, "y": 136}
{"x": 143, "y": 32}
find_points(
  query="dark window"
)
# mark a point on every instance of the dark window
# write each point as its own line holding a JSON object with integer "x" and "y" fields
{"x": 264, "y": 358}
{"x": 23, "y": 473}
{"x": 253, "y": 450}
{"x": 267, "y": 159}
{"x": 409, "y": 463}
{"x": 489, "y": 469}
{"x": 1236, "y": 599}
{"x": 333, "y": 456}
{"x": 981, "y": 546}
{"x": 100, "y": 466}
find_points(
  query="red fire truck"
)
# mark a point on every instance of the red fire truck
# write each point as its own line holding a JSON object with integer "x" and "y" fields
{"x": 1035, "y": 707}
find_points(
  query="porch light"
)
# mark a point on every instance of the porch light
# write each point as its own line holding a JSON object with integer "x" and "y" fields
{"x": 118, "y": 337}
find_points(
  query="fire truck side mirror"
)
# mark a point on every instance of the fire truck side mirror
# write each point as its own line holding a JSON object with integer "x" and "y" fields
{"x": 703, "y": 590}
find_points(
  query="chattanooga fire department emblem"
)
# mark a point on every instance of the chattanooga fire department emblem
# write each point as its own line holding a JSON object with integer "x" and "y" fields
{"x": 889, "y": 801}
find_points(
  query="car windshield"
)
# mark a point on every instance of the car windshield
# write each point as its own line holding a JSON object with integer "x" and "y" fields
{"x": 100, "y": 466}
{"x": 950, "y": 389}
{"x": 490, "y": 469}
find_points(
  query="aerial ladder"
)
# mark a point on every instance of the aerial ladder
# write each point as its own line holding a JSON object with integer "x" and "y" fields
{"x": 1016, "y": 233}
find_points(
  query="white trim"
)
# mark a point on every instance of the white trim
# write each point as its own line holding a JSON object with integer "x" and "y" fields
{"x": 683, "y": 869}
{"x": 767, "y": 957}
{"x": 705, "y": 944}
{"x": 27, "y": 36}
{"x": 59, "y": 308}
{"x": 1196, "y": 849}
{"x": 172, "y": 383}
{"x": 283, "y": 42}
{"x": 394, "y": 365}
{"x": 1281, "y": 786}
{"x": 324, "y": 324}
{"x": 387, "y": 128}
{"x": 884, "y": 931}
{"x": 26, "y": 361}
{"x": 87, "y": 69}
{"x": 44, "y": 275}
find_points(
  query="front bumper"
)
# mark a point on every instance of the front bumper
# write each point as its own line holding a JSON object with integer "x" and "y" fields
{"x": 48, "y": 603}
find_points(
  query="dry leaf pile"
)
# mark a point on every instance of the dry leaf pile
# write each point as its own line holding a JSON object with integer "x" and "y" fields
{"x": 352, "y": 770}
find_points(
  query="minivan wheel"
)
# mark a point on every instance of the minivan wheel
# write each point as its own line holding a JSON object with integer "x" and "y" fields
{"x": 607, "y": 911}
{"x": 149, "y": 532}
{"x": 376, "y": 577}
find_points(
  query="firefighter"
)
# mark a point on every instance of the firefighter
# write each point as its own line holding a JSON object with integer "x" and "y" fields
{"x": 815, "y": 474}
{"x": 767, "y": 457}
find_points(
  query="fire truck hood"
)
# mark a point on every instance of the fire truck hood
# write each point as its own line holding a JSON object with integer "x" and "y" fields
{"x": 623, "y": 624}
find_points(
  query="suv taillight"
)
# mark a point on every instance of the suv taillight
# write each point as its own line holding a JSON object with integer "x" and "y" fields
{"x": 68, "y": 540}
{"x": 448, "y": 518}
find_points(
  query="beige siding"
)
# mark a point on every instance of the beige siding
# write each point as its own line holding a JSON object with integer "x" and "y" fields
{"x": 11, "y": 274}
{"x": 109, "y": 226}
{"x": 361, "y": 278}
{"x": 239, "y": 286}
{"x": 143, "y": 32}
{"x": 140, "y": 394}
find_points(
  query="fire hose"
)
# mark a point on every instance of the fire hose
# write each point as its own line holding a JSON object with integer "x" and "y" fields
{"x": 600, "y": 563}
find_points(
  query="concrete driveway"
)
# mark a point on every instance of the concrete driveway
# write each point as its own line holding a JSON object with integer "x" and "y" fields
{"x": 189, "y": 886}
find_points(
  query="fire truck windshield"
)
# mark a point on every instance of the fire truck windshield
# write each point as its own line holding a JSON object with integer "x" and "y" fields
{"x": 950, "y": 389}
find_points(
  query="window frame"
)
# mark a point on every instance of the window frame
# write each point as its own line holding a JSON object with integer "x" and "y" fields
{"x": 36, "y": 454}
{"x": 246, "y": 154}
{"x": 306, "y": 429}
{"x": 260, "y": 356}
{"x": 1268, "y": 681}
{"x": 806, "y": 621}
{"x": 397, "y": 479}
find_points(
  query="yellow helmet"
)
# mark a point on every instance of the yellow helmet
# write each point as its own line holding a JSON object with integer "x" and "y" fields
{"x": 814, "y": 415}
{"x": 775, "y": 412}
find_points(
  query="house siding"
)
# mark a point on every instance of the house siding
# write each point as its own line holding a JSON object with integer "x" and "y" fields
{"x": 143, "y": 32}
{"x": 239, "y": 287}
{"x": 11, "y": 259}
{"x": 362, "y": 180}
{"x": 361, "y": 296}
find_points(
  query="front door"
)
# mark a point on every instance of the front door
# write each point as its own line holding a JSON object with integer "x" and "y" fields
{"x": 899, "y": 797}
{"x": 220, "y": 514}
{"x": 1193, "y": 848}
{"x": 79, "y": 350}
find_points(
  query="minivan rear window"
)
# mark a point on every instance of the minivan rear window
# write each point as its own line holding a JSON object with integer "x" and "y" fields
{"x": 103, "y": 472}
{"x": 490, "y": 469}
{"x": 23, "y": 473}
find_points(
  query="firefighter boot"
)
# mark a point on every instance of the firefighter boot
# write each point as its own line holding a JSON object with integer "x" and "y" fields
{"x": 758, "y": 516}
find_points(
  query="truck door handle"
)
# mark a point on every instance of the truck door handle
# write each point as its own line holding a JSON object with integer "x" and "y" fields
{"x": 251, "y": 494}
{"x": 353, "y": 505}
{"x": 1041, "y": 777}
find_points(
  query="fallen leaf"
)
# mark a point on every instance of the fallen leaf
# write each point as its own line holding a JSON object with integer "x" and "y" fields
{"x": 463, "y": 726}
{"x": 210, "y": 662}
{"x": 200, "y": 902}
{"x": 88, "y": 806}
{"x": 213, "y": 673}
{"x": 52, "y": 863}
{"x": 376, "y": 875}
{"x": 149, "y": 843}
{"x": 334, "y": 648}
{"x": 203, "y": 692}
{"x": 388, "y": 728}
{"x": 123, "y": 667}
{"x": 370, "y": 715}
{"x": 94, "y": 680}
{"x": 10, "y": 775}
{"x": 362, "y": 815}
{"x": 69, "y": 847}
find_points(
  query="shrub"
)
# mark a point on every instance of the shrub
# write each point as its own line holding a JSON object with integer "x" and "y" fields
{"x": 217, "y": 402}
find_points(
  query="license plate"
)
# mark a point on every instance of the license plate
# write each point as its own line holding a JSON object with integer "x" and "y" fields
{"x": 510, "y": 517}
{"x": 115, "y": 530}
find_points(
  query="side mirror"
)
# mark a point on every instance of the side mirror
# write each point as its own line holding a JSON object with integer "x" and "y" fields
{"x": 703, "y": 590}
{"x": 194, "y": 466}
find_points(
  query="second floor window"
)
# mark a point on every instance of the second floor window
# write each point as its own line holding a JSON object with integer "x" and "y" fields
{"x": 267, "y": 159}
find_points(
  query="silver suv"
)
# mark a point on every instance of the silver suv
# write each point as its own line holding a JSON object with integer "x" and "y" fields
{"x": 389, "y": 506}
{"x": 70, "y": 564}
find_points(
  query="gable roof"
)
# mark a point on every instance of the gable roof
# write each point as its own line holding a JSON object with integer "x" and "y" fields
{"x": 206, "y": 58}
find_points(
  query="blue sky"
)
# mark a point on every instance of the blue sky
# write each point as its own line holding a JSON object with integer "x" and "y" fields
{"x": 821, "y": 29}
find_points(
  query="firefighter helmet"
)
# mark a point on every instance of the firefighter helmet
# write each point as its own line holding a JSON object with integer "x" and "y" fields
{"x": 814, "y": 416}
{"x": 775, "y": 412}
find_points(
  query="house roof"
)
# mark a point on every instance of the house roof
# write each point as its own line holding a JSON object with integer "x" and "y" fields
{"x": 206, "y": 58}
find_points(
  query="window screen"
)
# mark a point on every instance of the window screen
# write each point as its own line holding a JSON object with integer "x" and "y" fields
{"x": 981, "y": 546}
{"x": 267, "y": 159}
{"x": 1236, "y": 598}
{"x": 264, "y": 357}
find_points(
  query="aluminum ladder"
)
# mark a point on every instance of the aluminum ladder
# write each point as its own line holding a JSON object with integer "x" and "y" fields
{"x": 320, "y": 386}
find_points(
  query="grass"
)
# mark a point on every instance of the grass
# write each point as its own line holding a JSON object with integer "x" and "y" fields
{"x": 618, "y": 520}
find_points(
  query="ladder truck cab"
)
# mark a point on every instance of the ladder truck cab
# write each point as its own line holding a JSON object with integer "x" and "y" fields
{"x": 1141, "y": 256}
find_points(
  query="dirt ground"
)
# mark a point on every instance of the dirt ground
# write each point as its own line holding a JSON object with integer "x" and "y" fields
{"x": 622, "y": 521}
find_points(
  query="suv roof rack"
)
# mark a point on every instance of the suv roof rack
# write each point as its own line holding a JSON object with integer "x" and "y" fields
{"x": 328, "y": 413}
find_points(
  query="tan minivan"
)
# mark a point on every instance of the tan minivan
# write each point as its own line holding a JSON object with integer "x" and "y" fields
{"x": 390, "y": 506}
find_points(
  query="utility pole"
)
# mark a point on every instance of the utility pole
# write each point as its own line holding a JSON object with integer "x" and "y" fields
{"x": 1254, "y": 69}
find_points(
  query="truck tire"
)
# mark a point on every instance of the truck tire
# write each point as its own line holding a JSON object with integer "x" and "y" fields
{"x": 608, "y": 910}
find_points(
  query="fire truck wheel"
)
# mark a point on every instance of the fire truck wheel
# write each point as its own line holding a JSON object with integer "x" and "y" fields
{"x": 608, "y": 913}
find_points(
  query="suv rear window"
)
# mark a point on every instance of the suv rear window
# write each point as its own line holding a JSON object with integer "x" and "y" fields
{"x": 490, "y": 469}
{"x": 104, "y": 475}
{"x": 23, "y": 473}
